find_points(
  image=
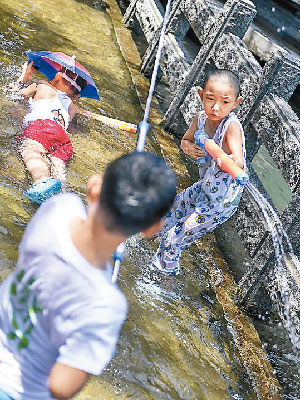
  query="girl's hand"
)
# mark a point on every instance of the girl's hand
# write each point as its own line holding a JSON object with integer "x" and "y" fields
{"x": 27, "y": 71}
{"x": 20, "y": 86}
{"x": 192, "y": 150}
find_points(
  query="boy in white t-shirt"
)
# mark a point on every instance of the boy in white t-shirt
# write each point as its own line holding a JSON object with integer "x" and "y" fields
{"x": 60, "y": 313}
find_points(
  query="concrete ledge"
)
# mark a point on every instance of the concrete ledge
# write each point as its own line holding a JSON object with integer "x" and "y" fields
{"x": 260, "y": 44}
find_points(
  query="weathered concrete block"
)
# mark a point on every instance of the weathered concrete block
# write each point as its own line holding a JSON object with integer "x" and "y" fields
{"x": 253, "y": 142}
{"x": 175, "y": 61}
{"x": 251, "y": 225}
{"x": 279, "y": 77}
{"x": 201, "y": 16}
{"x": 229, "y": 52}
{"x": 183, "y": 14}
{"x": 284, "y": 68}
{"x": 278, "y": 272}
{"x": 290, "y": 219}
{"x": 177, "y": 23}
{"x": 278, "y": 127}
{"x": 282, "y": 282}
{"x": 235, "y": 13}
{"x": 149, "y": 14}
{"x": 129, "y": 18}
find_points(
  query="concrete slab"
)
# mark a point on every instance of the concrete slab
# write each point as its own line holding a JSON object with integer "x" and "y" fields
{"x": 275, "y": 25}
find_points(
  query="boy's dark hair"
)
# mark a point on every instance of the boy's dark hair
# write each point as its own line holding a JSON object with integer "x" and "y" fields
{"x": 137, "y": 191}
{"x": 224, "y": 73}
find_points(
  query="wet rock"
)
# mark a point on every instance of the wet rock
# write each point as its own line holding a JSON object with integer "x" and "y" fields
{"x": 100, "y": 5}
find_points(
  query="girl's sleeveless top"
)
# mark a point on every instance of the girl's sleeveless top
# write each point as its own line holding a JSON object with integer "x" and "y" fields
{"x": 55, "y": 109}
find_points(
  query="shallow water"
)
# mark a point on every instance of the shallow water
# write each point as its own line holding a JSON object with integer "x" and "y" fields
{"x": 175, "y": 343}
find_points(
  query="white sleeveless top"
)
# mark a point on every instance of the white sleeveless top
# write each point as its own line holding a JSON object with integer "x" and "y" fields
{"x": 55, "y": 109}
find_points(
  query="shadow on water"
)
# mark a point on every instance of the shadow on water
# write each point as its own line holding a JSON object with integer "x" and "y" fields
{"x": 176, "y": 343}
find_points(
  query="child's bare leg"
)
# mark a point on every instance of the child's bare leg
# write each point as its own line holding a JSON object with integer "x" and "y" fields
{"x": 35, "y": 160}
{"x": 58, "y": 170}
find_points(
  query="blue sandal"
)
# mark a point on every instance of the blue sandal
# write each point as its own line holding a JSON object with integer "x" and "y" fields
{"x": 41, "y": 191}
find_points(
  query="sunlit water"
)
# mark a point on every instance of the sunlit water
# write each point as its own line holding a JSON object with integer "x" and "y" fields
{"x": 175, "y": 343}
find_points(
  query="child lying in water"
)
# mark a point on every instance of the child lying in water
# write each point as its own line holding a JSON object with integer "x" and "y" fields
{"x": 46, "y": 147}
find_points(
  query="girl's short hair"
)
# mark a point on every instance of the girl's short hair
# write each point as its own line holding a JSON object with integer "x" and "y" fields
{"x": 76, "y": 78}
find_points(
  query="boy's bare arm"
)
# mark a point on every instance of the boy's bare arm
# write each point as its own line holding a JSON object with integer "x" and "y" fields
{"x": 233, "y": 145}
{"x": 188, "y": 144}
{"x": 64, "y": 381}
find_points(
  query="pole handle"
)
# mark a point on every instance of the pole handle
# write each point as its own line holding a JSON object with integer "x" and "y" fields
{"x": 143, "y": 128}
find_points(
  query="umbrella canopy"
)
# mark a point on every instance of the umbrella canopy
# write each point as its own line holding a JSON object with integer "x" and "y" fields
{"x": 49, "y": 63}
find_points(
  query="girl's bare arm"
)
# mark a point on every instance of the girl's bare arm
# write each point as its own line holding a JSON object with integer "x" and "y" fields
{"x": 72, "y": 110}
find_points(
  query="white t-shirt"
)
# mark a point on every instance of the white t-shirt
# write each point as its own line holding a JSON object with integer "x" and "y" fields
{"x": 55, "y": 306}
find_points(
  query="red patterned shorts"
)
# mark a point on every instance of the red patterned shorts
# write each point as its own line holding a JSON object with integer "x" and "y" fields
{"x": 51, "y": 136}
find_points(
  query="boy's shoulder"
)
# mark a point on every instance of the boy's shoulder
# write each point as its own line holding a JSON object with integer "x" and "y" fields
{"x": 232, "y": 117}
{"x": 52, "y": 216}
{"x": 231, "y": 120}
{"x": 69, "y": 279}
{"x": 232, "y": 126}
